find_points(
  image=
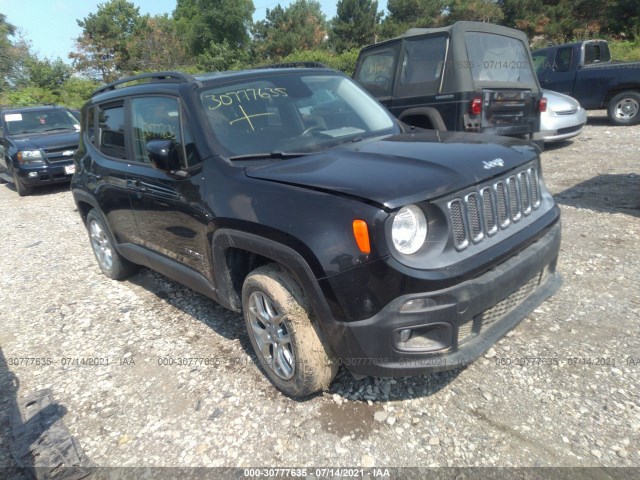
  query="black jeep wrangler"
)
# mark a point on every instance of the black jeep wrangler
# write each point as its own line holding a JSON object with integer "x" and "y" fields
{"x": 37, "y": 145}
{"x": 469, "y": 76}
{"x": 344, "y": 237}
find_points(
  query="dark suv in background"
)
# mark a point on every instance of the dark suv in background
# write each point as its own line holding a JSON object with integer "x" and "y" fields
{"x": 469, "y": 77}
{"x": 37, "y": 145}
{"x": 344, "y": 237}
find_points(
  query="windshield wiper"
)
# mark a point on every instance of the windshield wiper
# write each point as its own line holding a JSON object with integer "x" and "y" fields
{"x": 57, "y": 128}
{"x": 258, "y": 156}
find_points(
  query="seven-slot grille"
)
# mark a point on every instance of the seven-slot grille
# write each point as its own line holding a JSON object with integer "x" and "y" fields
{"x": 482, "y": 213}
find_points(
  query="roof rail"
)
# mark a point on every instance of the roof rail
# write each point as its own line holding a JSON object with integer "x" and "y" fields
{"x": 11, "y": 106}
{"x": 295, "y": 65}
{"x": 154, "y": 77}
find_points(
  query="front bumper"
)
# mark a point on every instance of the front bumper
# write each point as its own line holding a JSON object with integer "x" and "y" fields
{"x": 555, "y": 128}
{"x": 451, "y": 327}
{"x": 45, "y": 174}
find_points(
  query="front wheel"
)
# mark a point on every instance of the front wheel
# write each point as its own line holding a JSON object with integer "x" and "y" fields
{"x": 624, "y": 109}
{"x": 21, "y": 188}
{"x": 112, "y": 264}
{"x": 289, "y": 346}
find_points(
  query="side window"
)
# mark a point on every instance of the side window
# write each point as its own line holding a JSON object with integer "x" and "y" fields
{"x": 376, "y": 72}
{"x": 422, "y": 65}
{"x": 112, "y": 132}
{"x": 562, "y": 61}
{"x": 159, "y": 118}
{"x": 539, "y": 61}
{"x": 596, "y": 52}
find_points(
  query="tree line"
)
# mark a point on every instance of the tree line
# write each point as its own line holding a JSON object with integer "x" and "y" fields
{"x": 213, "y": 35}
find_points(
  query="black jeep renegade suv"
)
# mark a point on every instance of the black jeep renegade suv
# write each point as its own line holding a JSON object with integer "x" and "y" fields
{"x": 344, "y": 237}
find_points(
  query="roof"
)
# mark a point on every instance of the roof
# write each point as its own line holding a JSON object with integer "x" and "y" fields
{"x": 15, "y": 108}
{"x": 176, "y": 78}
{"x": 457, "y": 28}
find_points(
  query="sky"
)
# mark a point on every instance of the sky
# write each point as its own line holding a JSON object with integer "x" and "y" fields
{"x": 51, "y": 25}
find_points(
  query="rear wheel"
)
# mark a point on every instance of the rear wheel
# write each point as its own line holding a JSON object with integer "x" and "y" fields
{"x": 112, "y": 264}
{"x": 289, "y": 346}
{"x": 624, "y": 109}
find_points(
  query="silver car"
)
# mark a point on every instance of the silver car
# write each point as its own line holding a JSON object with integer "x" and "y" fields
{"x": 563, "y": 119}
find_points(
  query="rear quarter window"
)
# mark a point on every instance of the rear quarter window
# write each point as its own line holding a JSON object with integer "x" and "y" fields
{"x": 422, "y": 65}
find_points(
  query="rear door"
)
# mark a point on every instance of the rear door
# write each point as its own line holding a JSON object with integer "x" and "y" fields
{"x": 167, "y": 204}
{"x": 105, "y": 165}
{"x": 504, "y": 79}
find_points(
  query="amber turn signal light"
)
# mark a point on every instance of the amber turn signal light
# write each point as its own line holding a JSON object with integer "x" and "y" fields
{"x": 361, "y": 234}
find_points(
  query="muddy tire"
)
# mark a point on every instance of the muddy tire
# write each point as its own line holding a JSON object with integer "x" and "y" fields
{"x": 287, "y": 341}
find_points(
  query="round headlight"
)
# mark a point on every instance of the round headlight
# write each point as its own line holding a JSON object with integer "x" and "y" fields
{"x": 409, "y": 229}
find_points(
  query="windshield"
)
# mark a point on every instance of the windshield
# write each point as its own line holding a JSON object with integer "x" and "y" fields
{"x": 292, "y": 112}
{"x": 497, "y": 58}
{"x": 39, "y": 121}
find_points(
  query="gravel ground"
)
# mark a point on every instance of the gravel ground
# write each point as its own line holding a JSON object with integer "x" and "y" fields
{"x": 572, "y": 401}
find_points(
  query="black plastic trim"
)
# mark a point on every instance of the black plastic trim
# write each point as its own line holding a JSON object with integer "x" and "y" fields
{"x": 282, "y": 254}
{"x": 169, "y": 268}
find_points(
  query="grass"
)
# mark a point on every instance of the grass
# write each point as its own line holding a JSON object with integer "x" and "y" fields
{"x": 625, "y": 50}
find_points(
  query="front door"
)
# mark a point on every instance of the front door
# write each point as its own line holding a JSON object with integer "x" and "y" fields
{"x": 167, "y": 203}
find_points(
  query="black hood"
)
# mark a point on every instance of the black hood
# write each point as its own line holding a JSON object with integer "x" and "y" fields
{"x": 47, "y": 141}
{"x": 404, "y": 168}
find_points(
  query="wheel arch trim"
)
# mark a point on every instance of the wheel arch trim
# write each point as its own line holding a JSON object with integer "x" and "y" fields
{"x": 224, "y": 239}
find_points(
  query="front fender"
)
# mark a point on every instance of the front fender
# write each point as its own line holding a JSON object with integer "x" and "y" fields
{"x": 223, "y": 239}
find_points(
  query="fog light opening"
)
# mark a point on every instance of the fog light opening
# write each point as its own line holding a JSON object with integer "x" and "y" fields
{"x": 33, "y": 174}
{"x": 405, "y": 335}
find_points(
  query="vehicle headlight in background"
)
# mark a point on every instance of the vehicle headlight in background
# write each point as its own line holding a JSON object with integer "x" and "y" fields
{"x": 409, "y": 229}
{"x": 29, "y": 156}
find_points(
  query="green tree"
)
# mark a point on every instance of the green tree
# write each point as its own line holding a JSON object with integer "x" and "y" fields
{"x": 155, "y": 45}
{"x": 355, "y": 24}
{"x": 6, "y": 51}
{"x": 300, "y": 26}
{"x": 405, "y": 14}
{"x": 474, "y": 10}
{"x": 102, "y": 52}
{"x": 345, "y": 61}
{"x": 623, "y": 18}
{"x": 563, "y": 20}
{"x": 47, "y": 74}
{"x": 222, "y": 56}
{"x": 201, "y": 22}
{"x": 75, "y": 91}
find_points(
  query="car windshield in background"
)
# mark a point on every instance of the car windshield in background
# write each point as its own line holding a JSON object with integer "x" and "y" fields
{"x": 39, "y": 121}
{"x": 302, "y": 113}
{"x": 497, "y": 58}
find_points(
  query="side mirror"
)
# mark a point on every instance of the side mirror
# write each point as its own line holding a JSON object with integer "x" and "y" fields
{"x": 163, "y": 155}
